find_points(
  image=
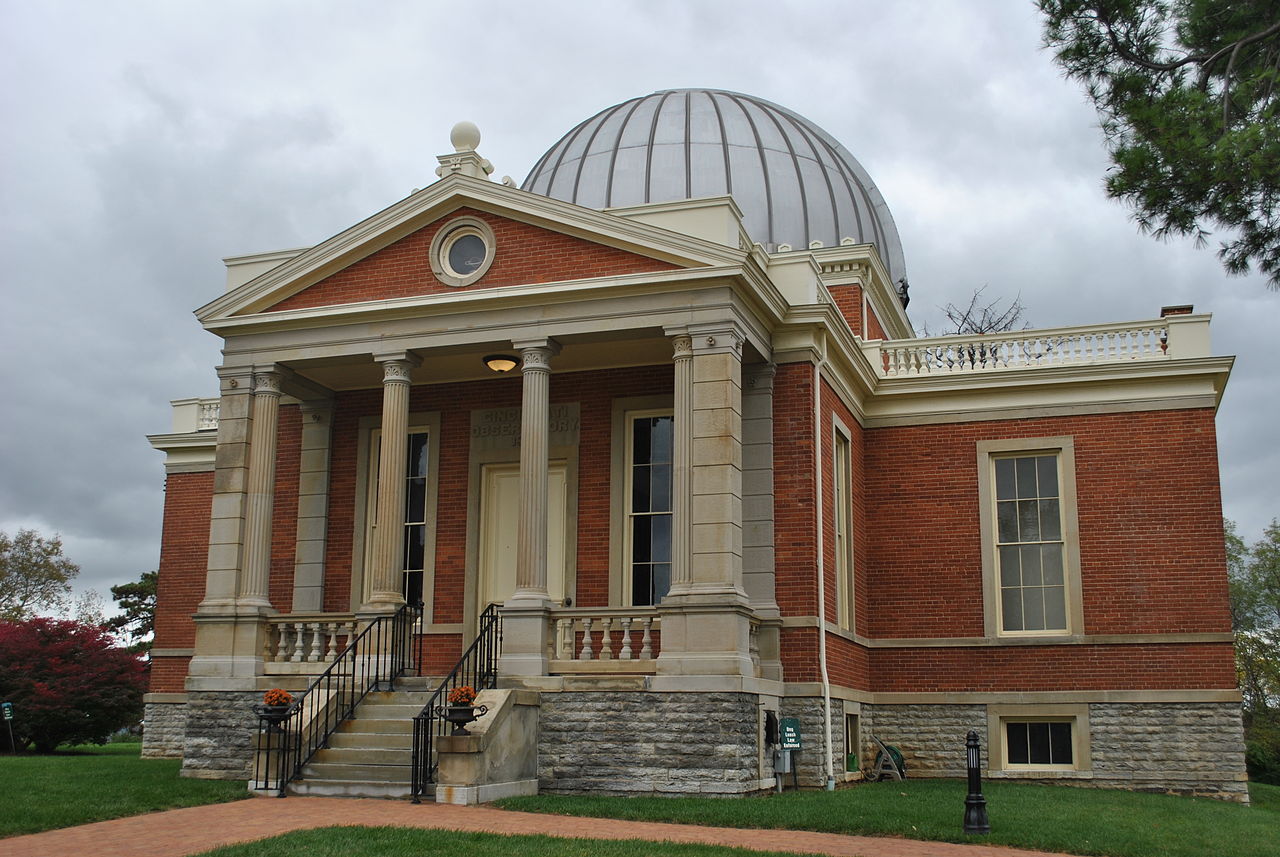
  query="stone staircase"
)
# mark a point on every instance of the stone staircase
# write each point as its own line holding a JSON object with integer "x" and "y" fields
{"x": 370, "y": 754}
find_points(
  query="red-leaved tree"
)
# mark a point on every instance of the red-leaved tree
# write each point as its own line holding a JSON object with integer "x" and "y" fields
{"x": 68, "y": 682}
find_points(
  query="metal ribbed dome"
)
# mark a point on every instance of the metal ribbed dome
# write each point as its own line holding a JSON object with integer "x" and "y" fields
{"x": 793, "y": 181}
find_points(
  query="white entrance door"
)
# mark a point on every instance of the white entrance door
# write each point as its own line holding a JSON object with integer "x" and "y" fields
{"x": 500, "y": 526}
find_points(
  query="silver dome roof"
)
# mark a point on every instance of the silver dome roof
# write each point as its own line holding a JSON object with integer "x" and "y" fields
{"x": 793, "y": 181}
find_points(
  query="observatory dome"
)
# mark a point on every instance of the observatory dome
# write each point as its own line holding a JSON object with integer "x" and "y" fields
{"x": 793, "y": 181}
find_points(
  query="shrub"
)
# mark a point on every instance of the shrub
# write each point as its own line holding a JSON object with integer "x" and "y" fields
{"x": 1262, "y": 751}
{"x": 68, "y": 682}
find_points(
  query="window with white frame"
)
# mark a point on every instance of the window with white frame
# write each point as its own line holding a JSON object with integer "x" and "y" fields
{"x": 843, "y": 525}
{"x": 415, "y": 516}
{"x": 1039, "y": 743}
{"x": 1039, "y": 736}
{"x": 417, "y": 488}
{"x": 1029, "y": 543}
{"x": 648, "y": 510}
{"x": 1030, "y": 537}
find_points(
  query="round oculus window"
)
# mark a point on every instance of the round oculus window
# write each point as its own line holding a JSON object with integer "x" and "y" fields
{"x": 465, "y": 254}
{"x": 462, "y": 251}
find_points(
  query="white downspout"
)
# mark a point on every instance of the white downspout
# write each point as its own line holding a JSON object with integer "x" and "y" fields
{"x": 822, "y": 575}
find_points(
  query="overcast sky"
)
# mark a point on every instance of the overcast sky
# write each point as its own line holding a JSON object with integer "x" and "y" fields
{"x": 141, "y": 142}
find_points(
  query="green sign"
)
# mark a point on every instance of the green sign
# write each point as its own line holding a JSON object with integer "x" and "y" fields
{"x": 8, "y": 710}
{"x": 790, "y": 733}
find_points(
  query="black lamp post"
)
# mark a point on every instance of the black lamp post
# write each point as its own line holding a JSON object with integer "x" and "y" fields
{"x": 975, "y": 805}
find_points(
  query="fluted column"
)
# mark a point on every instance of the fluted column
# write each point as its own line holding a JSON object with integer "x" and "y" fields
{"x": 531, "y": 544}
{"x": 681, "y": 463}
{"x": 388, "y": 539}
{"x": 260, "y": 496}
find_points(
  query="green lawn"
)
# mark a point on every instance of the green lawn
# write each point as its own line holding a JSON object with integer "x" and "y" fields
{"x": 90, "y": 783}
{"x": 1049, "y": 818}
{"x": 401, "y": 842}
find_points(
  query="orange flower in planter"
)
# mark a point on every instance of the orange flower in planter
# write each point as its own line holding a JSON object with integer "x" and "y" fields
{"x": 463, "y": 695}
{"x": 277, "y": 696}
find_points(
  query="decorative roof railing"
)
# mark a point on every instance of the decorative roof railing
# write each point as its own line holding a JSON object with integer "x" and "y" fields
{"x": 1161, "y": 339}
{"x": 208, "y": 417}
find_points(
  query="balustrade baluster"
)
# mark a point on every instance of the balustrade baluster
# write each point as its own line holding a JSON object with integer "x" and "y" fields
{"x": 317, "y": 644}
{"x": 585, "y": 654}
{"x": 282, "y": 636}
{"x": 331, "y": 631}
{"x": 299, "y": 631}
{"x": 606, "y": 639}
{"x": 624, "y": 654}
{"x": 646, "y": 650}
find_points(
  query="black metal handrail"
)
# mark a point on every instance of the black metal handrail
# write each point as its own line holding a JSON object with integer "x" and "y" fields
{"x": 377, "y": 656}
{"x": 478, "y": 668}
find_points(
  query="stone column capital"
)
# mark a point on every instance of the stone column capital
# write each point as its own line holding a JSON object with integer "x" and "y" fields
{"x": 396, "y": 371}
{"x": 682, "y": 346}
{"x": 536, "y": 355}
{"x": 266, "y": 382}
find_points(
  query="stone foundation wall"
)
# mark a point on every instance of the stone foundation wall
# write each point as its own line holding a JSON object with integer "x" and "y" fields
{"x": 1190, "y": 748}
{"x": 627, "y": 743}
{"x": 931, "y": 737}
{"x": 221, "y": 729}
{"x": 164, "y": 730}
{"x": 811, "y": 761}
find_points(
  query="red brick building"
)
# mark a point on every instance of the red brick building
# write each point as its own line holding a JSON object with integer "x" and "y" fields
{"x": 720, "y": 481}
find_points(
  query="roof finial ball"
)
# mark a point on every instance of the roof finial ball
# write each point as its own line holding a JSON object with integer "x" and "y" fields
{"x": 464, "y": 160}
{"x": 465, "y": 137}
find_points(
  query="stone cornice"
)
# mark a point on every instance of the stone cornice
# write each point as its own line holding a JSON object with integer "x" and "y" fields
{"x": 462, "y": 301}
{"x": 1084, "y": 388}
{"x": 1038, "y": 697}
{"x": 192, "y": 441}
{"x": 1173, "y": 638}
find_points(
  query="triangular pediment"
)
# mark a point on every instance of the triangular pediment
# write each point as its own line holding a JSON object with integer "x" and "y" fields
{"x": 536, "y": 240}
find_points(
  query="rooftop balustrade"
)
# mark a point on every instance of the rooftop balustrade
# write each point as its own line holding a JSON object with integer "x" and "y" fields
{"x": 1173, "y": 337}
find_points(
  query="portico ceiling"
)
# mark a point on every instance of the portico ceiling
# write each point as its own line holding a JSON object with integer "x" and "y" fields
{"x": 451, "y": 365}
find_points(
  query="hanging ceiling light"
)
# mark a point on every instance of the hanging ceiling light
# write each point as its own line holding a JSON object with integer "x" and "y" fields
{"x": 501, "y": 363}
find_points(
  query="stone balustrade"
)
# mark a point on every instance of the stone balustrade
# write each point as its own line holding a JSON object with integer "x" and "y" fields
{"x": 207, "y": 418}
{"x": 298, "y": 639}
{"x": 605, "y": 639}
{"x": 1161, "y": 339}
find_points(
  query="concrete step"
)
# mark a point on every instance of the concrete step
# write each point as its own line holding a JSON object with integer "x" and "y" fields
{"x": 317, "y": 787}
{"x": 417, "y": 697}
{"x": 373, "y": 725}
{"x": 365, "y": 773}
{"x": 361, "y": 740}
{"x": 426, "y": 683}
{"x": 388, "y": 710}
{"x": 367, "y": 755}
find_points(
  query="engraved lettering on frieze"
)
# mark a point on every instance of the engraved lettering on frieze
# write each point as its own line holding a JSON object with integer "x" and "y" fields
{"x": 499, "y": 428}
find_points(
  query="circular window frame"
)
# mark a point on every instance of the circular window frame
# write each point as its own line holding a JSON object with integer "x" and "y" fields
{"x": 447, "y": 236}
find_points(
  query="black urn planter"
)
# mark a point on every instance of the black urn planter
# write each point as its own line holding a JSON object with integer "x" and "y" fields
{"x": 273, "y": 714}
{"x": 461, "y": 715}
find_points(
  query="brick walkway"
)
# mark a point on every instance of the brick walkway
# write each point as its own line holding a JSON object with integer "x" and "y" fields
{"x": 189, "y": 831}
